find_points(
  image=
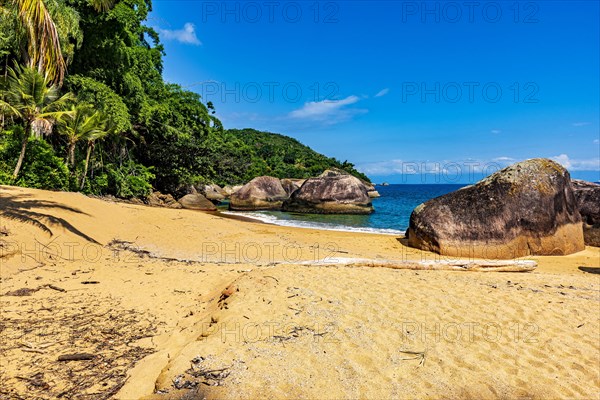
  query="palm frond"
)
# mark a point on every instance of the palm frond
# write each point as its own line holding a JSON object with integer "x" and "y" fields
{"x": 102, "y": 5}
{"x": 44, "y": 50}
{"x": 83, "y": 123}
{"x": 30, "y": 97}
{"x": 54, "y": 104}
{"x": 7, "y": 109}
{"x": 54, "y": 115}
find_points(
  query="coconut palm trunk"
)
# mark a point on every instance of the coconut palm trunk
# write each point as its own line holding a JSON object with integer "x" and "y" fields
{"x": 24, "y": 142}
{"x": 87, "y": 163}
{"x": 71, "y": 157}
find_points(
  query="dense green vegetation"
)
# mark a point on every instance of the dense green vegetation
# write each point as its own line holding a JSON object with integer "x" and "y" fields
{"x": 84, "y": 107}
{"x": 283, "y": 157}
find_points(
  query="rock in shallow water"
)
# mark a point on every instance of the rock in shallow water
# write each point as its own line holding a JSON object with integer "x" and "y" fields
{"x": 262, "y": 193}
{"x": 197, "y": 201}
{"x": 331, "y": 193}
{"x": 525, "y": 209}
{"x": 212, "y": 192}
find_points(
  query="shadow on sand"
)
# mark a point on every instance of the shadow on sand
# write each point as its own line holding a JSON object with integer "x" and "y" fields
{"x": 590, "y": 270}
{"x": 18, "y": 208}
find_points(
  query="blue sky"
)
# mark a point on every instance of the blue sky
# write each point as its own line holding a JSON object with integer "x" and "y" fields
{"x": 409, "y": 91}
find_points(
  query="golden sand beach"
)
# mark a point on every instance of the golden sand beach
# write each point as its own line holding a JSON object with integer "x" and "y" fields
{"x": 172, "y": 303}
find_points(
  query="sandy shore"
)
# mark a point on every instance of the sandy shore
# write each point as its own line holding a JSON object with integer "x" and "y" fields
{"x": 182, "y": 304}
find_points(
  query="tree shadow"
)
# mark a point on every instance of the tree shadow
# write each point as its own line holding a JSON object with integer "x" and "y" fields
{"x": 590, "y": 270}
{"x": 18, "y": 208}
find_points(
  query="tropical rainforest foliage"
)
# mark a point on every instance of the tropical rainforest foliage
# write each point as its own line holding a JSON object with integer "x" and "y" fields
{"x": 83, "y": 106}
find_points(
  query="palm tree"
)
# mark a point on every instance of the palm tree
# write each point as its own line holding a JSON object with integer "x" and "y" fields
{"x": 30, "y": 97}
{"x": 43, "y": 41}
{"x": 82, "y": 123}
{"x": 91, "y": 143}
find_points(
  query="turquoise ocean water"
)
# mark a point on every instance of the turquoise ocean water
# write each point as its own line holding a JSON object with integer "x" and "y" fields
{"x": 392, "y": 211}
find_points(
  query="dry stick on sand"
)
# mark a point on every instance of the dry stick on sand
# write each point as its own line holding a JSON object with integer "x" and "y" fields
{"x": 76, "y": 357}
{"x": 417, "y": 355}
{"x": 34, "y": 351}
{"x": 28, "y": 291}
{"x": 58, "y": 289}
{"x": 458, "y": 265}
{"x": 33, "y": 348}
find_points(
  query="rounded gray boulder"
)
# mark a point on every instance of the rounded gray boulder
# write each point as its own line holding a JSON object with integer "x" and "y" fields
{"x": 196, "y": 201}
{"x": 330, "y": 193}
{"x": 261, "y": 193}
{"x": 525, "y": 209}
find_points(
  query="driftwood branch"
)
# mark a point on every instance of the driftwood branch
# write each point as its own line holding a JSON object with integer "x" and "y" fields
{"x": 34, "y": 351}
{"x": 415, "y": 355}
{"x": 28, "y": 291}
{"x": 58, "y": 289}
{"x": 76, "y": 357}
{"x": 457, "y": 265}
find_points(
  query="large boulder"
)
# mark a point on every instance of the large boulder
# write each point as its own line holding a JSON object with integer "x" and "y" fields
{"x": 291, "y": 185}
{"x": 158, "y": 199}
{"x": 370, "y": 187}
{"x": 196, "y": 201}
{"x": 262, "y": 193}
{"x": 525, "y": 209}
{"x": 229, "y": 189}
{"x": 212, "y": 192}
{"x": 371, "y": 191}
{"x": 330, "y": 193}
{"x": 588, "y": 199}
{"x": 328, "y": 173}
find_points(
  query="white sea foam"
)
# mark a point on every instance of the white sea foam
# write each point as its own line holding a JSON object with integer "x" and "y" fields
{"x": 272, "y": 219}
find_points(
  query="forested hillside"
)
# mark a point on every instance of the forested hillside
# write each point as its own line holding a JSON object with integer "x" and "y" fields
{"x": 282, "y": 156}
{"x": 84, "y": 107}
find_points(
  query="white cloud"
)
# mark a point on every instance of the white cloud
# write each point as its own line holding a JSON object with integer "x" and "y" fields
{"x": 596, "y": 141}
{"x": 382, "y": 92}
{"x": 322, "y": 108}
{"x": 496, "y": 131}
{"x": 384, "y": 167}
{"x": 328, "y": 111}
{"x": 580, "y": 124}
{"x": 592, "y": 164}
{"x": 186, "y": 35}
{"x": 504, "y": 159}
